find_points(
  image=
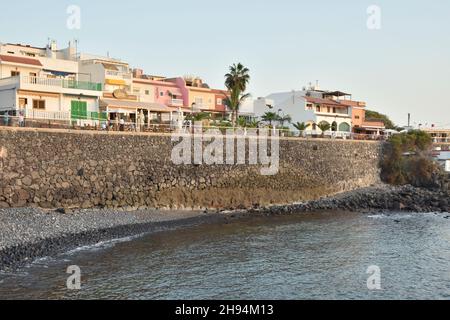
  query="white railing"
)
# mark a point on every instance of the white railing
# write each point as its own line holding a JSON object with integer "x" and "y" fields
{"x": 118, "y": 74}
{"x": 177, "y": 102}
{"x": 47, "y": 115}
{"x": 48, "y": 82}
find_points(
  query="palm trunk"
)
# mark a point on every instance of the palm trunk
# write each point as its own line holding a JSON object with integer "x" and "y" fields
{"x": 234, "y": 118}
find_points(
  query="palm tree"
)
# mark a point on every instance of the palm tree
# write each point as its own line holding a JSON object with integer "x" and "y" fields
{"x": 253, "y": 124}
{"x": 301, "y": 126}
{"x": 270, "y": 117}
{"x": 236, "y": 81}
{"x": 199, "y": 117}
{"x": 242, "y": 122}
{"x": 324, "y": 126}
{"x": 284, "y": 119}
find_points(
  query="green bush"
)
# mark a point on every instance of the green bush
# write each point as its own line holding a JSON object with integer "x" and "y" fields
{"x": 407, "y": 160}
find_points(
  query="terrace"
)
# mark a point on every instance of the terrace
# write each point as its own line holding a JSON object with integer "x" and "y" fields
{"x": 44, "y": 84}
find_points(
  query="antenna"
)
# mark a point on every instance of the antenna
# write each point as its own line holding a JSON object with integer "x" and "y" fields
{"x": 76, "y": 48}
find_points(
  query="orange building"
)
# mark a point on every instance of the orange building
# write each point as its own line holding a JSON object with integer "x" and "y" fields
{"x": 360, "y": 123}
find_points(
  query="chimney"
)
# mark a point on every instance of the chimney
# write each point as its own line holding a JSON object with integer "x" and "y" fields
{"x": 51, "y": 49}
{"x": 138, "y": 73}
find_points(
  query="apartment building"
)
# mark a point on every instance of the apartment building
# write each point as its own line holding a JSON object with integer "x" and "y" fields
{"x": 439, "y": 135}
{"x": 183, "y": 95}
{"x": 46, "y": 83}
{"x": 204, "y": 99}
{"x": 310, "y": 106}
{"x": 361, "y": 124}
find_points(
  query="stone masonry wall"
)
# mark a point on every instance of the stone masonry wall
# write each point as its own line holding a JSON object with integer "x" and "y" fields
{"x": 52, "y": 169}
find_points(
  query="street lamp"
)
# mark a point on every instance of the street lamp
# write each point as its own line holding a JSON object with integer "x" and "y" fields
{"x": 194, "y": 105}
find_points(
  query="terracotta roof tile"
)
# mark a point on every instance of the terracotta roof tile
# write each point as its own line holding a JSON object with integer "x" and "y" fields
{"x": 13, "y": 59}
{"x": 324, "y": 101}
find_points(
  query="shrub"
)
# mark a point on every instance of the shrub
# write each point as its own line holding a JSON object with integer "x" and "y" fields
{"x": 407, "y": 160}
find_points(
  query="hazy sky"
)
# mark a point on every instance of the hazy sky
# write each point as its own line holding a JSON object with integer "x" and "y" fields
{"x": 403, "y": 67}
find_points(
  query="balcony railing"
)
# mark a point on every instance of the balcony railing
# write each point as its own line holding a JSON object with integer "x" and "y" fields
{"x": 82, "y": 85}
{"x": 121, "y": 74}
{"x": 62, "y": 83}
{"x": 177, "y": 102}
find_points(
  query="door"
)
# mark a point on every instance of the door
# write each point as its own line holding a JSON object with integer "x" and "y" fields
{"x": 33, "y": 77}
{"x": 78, "y": 110}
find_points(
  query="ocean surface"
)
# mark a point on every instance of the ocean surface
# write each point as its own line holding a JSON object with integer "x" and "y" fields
{"x": 313, "y": 256}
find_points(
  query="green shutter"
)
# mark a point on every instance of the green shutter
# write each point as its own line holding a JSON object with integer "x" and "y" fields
{"x": 78, "y": 110}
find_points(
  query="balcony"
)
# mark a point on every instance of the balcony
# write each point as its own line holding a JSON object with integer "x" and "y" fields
{"x": 119, "y": 74}
{"x": 53, "y": 85}
{"x": 177, "y": 103}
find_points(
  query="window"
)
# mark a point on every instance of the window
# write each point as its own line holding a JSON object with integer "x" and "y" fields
{"x": 318, "y": 108}
{"x": 357, "y": 117}
{"x": 309, "y": 106}
{"x": 334, "y": 110}
{"x": 328, "y": 109}
{"x": 39, "y": 104}
{"x": 219, "y": 101}
{"x": 161, "y": 94}
{"x": 23, "y": 102}
{"x": 15, "y": 73}
{"x": 147, "y": 92}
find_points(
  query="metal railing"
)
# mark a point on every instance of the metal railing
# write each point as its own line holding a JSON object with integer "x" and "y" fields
{"x": 177, "y": 102}
{"x": 52, "y": 82}
{"x": 46, "y": 115}
{"x": 121, "y": 74}
{"x": 115, "y": 126}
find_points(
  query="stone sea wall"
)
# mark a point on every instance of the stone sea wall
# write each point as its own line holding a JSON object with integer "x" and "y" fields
{"x": 57, "y": 169}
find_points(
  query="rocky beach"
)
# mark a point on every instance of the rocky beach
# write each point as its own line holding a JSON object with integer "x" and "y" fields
{"x": 28, "y": 234}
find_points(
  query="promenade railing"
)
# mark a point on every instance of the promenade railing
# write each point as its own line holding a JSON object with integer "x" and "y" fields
{"x": 131, "y": 127}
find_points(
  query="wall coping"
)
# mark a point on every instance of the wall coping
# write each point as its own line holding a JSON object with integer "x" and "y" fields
{"x": 152, "y": 134}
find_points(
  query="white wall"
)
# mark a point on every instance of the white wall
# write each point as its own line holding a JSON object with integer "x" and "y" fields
{"x": 7, "y": 99}
{"x": 5, "y": 70}
{"x": 92, "y": 72}
{"x": 150, "y": 97}
{"x": 291, "y": 103}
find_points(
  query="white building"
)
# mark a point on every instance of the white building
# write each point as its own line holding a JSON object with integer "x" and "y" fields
{"x": 46, "y": 83}
{"x": 310, "y": 106}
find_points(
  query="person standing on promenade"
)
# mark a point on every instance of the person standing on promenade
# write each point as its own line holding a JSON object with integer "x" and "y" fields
{"x": 21, "y": 120}
{"x": 121, "y": 125}
{"x": 116, "y": 123}
{"x": 6, "y": 119}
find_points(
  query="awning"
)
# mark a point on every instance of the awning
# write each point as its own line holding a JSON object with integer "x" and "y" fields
{"x": 116, "y": 82}
{"x": 59, "y": 73}
{"x": 110, "y": 67}
{"x": 131, "y": 106}
{"x": 175, "y": 93}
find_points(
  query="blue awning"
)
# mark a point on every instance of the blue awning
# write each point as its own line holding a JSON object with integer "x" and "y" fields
{"x": 59, "y": 73}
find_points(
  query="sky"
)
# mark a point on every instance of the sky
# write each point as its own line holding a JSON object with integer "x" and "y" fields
{"x": 399, "y": 68}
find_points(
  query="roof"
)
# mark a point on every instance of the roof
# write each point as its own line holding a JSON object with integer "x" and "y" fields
{"x": 156, "y": 107}
{"x": 21, "y": 60}
{"x": 337, "y": 93}
{"x": 324, "y": 101}
{"x": 25, "y": 46}
{"x": 373, "y": 124}
{"x": 352, "y": 103}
